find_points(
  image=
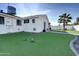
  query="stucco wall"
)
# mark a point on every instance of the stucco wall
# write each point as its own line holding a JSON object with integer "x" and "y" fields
{"x": 28, "y": 27}
{"x": 9, "y": 26}
{"x": 45, "y": 19}
{"x": 39, "y": 24}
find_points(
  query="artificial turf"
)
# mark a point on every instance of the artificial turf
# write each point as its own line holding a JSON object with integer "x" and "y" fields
{"x": 45, "y": 44}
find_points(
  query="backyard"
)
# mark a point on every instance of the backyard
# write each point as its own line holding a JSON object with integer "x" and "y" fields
{"x": 45, "y": 44}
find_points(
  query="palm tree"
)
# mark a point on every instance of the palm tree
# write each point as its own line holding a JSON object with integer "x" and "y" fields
{"x": 64, "y": 18}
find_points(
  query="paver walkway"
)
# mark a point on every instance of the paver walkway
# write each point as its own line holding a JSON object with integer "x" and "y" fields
{"x": 74, "y": 45}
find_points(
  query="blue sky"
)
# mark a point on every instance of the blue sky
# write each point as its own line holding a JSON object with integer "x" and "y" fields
{"x": 53, "y": 10}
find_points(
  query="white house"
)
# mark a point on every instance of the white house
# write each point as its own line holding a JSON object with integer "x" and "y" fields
{"x": 37, "y": 23}
{"x": 11, "y": 24}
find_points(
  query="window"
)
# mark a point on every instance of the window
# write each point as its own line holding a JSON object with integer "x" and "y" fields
{"x": 1, "y": 20}
{"x": 26, "y": 21}
{"x": 18, "y": 22}
{"x": 33, "y": 20}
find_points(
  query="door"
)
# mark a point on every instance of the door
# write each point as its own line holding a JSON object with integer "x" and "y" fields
{"x": 44, "y": 30}
{"x": 9, "y": 26}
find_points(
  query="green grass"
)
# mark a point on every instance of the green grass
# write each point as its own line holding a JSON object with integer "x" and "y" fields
{"x": 46, "y": 44}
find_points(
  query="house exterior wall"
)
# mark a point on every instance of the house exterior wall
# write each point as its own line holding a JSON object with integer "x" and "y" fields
{"x": 39, "y": 24}
{"x": 28, "y": 27}
{"x": 9, "y": 25}
{"x": 45, "y": 19}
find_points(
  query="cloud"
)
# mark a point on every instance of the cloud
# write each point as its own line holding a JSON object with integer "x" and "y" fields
{"x": 24, "y": 11}
{"x": 40, "y": 11}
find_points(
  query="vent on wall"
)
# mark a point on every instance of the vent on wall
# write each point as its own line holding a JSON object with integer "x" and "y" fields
{"x": 34, "y": 29}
